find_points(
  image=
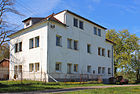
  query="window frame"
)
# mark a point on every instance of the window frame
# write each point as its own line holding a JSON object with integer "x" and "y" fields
{"x": 59, "y": 40}
{"x": 75, "y": 22}
{"x": 89, "y": 68}
{"x": 109, "y": 70}
{"x": 99, "y": 51}
{"x": 59, "y": 66}
{"x": 37, "y": 41}
{"x": 37, "y": 67}
{"x": 108, "y": 53}
{"x": 81, "y": 24}
{"x": 69, "y": 43}
{"x": 88, "y": 48}
{"x": 32, "y": 67}
{"x": 31, "y": 43}
{"x": 95, "y": 30}
{"x": 75, "y": 44}
{"x": 99, "y": 70}
{"x": 99, "y": 32}
{"x": 75, "y": 67}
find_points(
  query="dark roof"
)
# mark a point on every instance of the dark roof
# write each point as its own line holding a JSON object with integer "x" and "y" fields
{"x": 82, "y": 18}
{"x": 4, "y": 60}
{"x": 32, "y": 18}
{"x": 110, "y": 41}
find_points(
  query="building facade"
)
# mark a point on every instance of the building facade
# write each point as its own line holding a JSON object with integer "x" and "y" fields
{"x": 61, "y": 46}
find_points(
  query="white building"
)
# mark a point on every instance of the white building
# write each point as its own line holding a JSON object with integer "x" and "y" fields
{"x": 60, "y": 47}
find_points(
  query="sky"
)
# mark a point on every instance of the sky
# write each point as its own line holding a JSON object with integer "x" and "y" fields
{"x": 112, "y": 14}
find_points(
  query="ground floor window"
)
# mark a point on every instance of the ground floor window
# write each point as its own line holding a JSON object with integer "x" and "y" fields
{"x": 69, "y": 68}
{"x": 36, "y": 67}
{"x": 109, "y": 70}
{"x": 75, "y": 67}
{"x": 89, "y": 69}
{"x": 58, "y": 66}
{"x": 99, "y": 70}
{"x": 31, "y": 67}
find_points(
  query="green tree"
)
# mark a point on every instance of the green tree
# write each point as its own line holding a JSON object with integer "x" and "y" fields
{"x": 125, "y": 46}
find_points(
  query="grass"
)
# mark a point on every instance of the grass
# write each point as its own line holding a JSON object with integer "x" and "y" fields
{"x": 113, "y": 90}
{"x": 16, "y": 86}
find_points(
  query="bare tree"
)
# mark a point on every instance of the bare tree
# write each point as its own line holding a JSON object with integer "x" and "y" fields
{"x": 6, "y": 6}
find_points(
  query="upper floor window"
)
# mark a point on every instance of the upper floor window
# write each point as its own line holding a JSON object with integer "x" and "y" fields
{"x": 28, "y": 23}
{"x": 99, "y": 51}
{"x": 18, "y": 47}
{"x": 69, "y": 43}
{"x": 81, "y": 25}
{"x": 37, "y": 41}
{"x": 58, "y": 40}
{"x": 75, "y": 22}
{"x": 31, "y": 43}
{"x": 95, "y": 30}
{"x": 89, "y": 69}
{"x": 108, "y": 53}
{"x": 99, "y": 32}
{"x": 103, "y": 52}
{"x": 75, "y": 67}
{"x": 88, "y": 48}
{"x": 75, "y": 45}
{"x": 34, "y": 42}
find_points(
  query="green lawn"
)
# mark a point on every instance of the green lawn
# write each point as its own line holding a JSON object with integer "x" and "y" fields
{"x": 114, "y": 90}
{"x": 16, "y": 86}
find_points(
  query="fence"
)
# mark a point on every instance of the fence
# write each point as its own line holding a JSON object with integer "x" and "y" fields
{"x": 6, "y": 74}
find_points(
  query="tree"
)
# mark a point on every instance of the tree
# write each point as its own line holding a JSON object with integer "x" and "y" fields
{"x": 125, "y": 45}
{"x": 135, "y": 63}
{"x": 6, "y": 6}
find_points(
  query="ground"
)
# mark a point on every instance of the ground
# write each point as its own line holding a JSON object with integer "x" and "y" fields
{"x": 66, "y": 88}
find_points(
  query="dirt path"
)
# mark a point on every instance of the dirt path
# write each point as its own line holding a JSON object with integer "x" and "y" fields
{"x": 71, "y": 89}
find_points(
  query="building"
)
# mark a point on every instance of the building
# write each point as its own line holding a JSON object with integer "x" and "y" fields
{"x": 61, "y": 46}
{"x": 4, "y": 69}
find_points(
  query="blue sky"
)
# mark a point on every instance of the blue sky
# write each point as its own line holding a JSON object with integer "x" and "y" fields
{"x": 113, "y": 14}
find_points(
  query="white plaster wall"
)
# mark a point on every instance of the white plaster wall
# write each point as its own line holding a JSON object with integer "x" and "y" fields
{"x": 80, "y": 57}
{"x": 61, "y": 16}
{"x": 27, "y": 55}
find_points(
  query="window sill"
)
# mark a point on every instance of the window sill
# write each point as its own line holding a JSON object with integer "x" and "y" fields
{"x": 57, "y": 71}
{"x": 58, "y": 45}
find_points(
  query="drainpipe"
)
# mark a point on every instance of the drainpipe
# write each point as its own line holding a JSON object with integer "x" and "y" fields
{"x": 112, "y": 62}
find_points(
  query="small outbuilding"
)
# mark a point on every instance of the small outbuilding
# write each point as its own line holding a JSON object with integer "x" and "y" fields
{"x": 4, "y": 69}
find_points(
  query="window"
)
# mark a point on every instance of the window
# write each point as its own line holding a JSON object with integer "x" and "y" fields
{"x": 75, "y": 45}
{"x": 36, "y": 67}
{"x": 103, "y": 70}
{"x": 88, "y": 48}
{"x": 81, "y": 25}
{"x": 99, "y": 32}
{"x": 75, "y": 22}
{"x": 69, "y": 68}
{"x": 58, "y": 66}
{"x": 37, "y": 41}
{"x": 95, "y": 30}
{"x": 99, "y": 70}
{"x": 15, "y": 69}
{"x": 58, "y": 40}
{"x": 99, "y": 51}
{"x": 20, "y": 46}
{"x": 31, "y": 43}
{"x": 109, "y": 70}
{"x": 103, "y": 52}
{"x": 69, "y": 43}
{"x": 20, "y": 68}
{"x": 31, "y": 67}
{"x": 16, "y": 47}
{"x": 28, "y": 23}
{"x": 89, "y": 69}
{"x": 75, "y": 67}
{"x": 108, "y": 53}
